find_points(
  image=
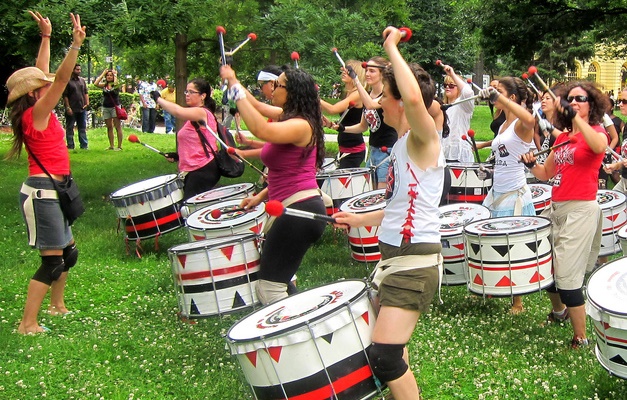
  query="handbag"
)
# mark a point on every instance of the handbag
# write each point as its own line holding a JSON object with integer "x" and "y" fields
{"x": 69, "y": 196}
{"x": 227, "y": 165}
{"x": 120, "y": 111}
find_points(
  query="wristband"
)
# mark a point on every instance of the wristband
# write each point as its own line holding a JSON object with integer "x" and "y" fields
{"x": 236, "y": 92}
{"x": 341, "y": 128}
{"x": 530, "y": 165}
{"x": 44, "y": 35}
{"x": 74, "y": 48}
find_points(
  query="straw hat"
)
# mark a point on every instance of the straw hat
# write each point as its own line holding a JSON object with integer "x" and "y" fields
{"x": 25, "y": 80}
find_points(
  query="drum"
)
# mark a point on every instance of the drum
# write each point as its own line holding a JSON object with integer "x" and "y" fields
{"x": 613, "y": 205}
{"x": 329, "y": 164}
{"x": 150, "y": 207}
{"x": 453, "y": 218}
{"x": 509, "y": 255}
{"x": 343, "y": 184}
{"x": 622, "y": 237}
{"x": 606, "y": 291}
{"x": 311, "y": 345}
{"x": 364, "y": 241}
{"x": 215, "y": 276}
{"x": 201, "y": 225}
{"x": 217, "y": 195}
{"x": 469, "y": 184}
{"x": 541, "y": 196}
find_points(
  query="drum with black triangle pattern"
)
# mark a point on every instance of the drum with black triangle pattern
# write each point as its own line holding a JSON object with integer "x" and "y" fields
{"x": 364, "y": 241}
{"x": 230, "y": 220}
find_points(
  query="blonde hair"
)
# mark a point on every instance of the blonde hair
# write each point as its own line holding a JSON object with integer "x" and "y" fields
{"x": 359, "y": 70}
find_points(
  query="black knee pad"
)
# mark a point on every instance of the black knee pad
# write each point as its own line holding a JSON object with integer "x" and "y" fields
{"x": 572, "y": 298}
{"x": 50, "y": 270}
{"x": 387, "y": 361}
{"x": 552, "y": 288}
{"x": 70, "y": 256}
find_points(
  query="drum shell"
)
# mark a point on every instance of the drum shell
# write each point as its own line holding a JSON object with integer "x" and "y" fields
{"x": 466, "y": 184}
{"x": 219, "y": 195}
{"x": 201, "y": 225}
{"x": 343, "y": 184}
{"x": 215, "y": 276}
{"x": 364, "y": 241}
{"x": 541, "y": 196}
{"x": 313, "y": 358}
{"x": 150, "y": 207}
{"x": 512, "y": 262}
{"x": 614, "y": 208}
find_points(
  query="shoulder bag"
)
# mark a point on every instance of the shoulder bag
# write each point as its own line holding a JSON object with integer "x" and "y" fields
{"x": 227, "y": 165}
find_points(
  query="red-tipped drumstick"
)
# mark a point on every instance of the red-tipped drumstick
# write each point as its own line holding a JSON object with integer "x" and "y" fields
{"x": 572, "y": 139}
{"x": 338, "y": 56}
{"x": 275, "y": 208}
{"x": 351, "y": 104}
{"x": 534, "y": 71}
{"x": 525, "y": 77}
{"x": 251, "y": 36}
{"x": 135, "y": 139}
{"x": 217, "y": 213}
{"x": 445, "y": 107}
{"x": 405, "y": 33}
{"x": 295, "y": 57}
{"x": 469, "y": 80}
{"x": 232, "y": 152}
{"x": 471, "y": 133}
{"x": 438, "y": 63}
{"x": 384, "y": 149}
{"x": 614, "y": 154}
{"x": 221, "y": 31}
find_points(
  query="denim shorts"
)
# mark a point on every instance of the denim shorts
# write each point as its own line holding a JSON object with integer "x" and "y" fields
{"x": 46, "y": 226}
{"x": 108, "y": 113}
{"x": 376, "y": 158}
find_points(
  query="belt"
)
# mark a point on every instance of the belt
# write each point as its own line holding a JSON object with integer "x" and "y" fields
{"x": 39, "y": 193}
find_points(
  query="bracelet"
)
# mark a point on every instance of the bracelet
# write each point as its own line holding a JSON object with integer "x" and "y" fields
{"x": 44, "y": 35}
{"x": 74, "y": 48}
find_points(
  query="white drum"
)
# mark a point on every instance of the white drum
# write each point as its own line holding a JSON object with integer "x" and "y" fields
{"x": 469, "y": 184}
{"x": 364, "y": 241}
{"x": 509, "y": 256}
{"x": 607, "y": 307}
{"x": 622, "y": 237}
{"x": 201, "y": 225}
{"x": 541, "y": 196}
{"x": 453, "y": 218}
{"x": 311, "y": 345}
{"x": 150, "y": 207}
{"x": 218, "y": 195}
{"x": 215, "y": 276}
{"x": 329, "y": 164}
{"x": 614, "y": 209}
{"x": 343, "y": 184}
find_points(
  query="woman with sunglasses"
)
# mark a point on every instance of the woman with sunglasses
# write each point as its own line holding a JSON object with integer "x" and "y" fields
{"x": 456, "y": 89}
{"x": 408, "y": 276}
{"x": 351, "y": 145}
{"x": 381, "y": 134}
{"x": 575, "y": 214}
{"x": 293, "y": 151}
{"x": 195, "y": 159}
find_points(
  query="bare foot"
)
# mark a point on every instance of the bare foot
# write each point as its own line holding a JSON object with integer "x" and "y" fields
{"x": 31, "y": 330}
{"x": 54, "y": 310}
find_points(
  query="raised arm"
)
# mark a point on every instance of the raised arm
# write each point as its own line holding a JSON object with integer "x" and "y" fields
{"x": 45, "y": 29}
{"x": 341, "y": 105}
{"x": 98, "y": 82}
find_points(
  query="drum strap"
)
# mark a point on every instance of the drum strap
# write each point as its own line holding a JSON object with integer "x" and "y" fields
{"x": 298, "y": 196}
{"x": 519, "y": 203}
{"x": 407, "y": 263}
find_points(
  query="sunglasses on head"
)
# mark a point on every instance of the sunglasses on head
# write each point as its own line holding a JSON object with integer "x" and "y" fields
{"x": 578, "y": 99}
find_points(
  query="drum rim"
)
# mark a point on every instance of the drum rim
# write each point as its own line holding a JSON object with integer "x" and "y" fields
{"x": 172, "y": 178}
{"x": 237, "y": 237}
{"x": 508, "y": 233}
{"x": 339, "y": 172}
{"x": 616, "y": 202}
{"x": 246, "y": 190}
{"x": 374, "y": 207}
{"x": 282, "y": 331}
{"x": 460, "y": 230}
{"x": 596, "y": 304}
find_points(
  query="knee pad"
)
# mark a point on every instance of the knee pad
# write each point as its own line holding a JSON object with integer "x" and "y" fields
{"x": 572, "y": 298}
{"x": 70, "y": 256}
{"x": 552, "y": 288}
{"x": 387, "y": 361}
{"x": 50, "y": 270}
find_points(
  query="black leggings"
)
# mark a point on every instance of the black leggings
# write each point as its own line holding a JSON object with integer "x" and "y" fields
{"x": 201, "y": 180}
{"x": 288, "y": 240}
{"x": 352, "y": 160}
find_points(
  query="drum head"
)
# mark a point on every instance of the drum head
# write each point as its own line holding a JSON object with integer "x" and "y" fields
{"x": 222, "y": 193}
{"x": 202, "y": 219}
{"x": 610, "y": 198}
{"x": 210, "y": 243}
{"x": 506, "y": 226}
{"x": 295, "y": 311}
{"x": 369, "y": 201}
{"x": 453, "y": 217}
{"x": 607, "y": 287}
{"x": 338, "y": 173}
{"x": 540, "y": 192}
{"x": 143, "y": 186}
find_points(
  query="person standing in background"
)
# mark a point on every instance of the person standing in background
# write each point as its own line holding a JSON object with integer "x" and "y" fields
{"x": 76, "y": 100}
{"x": 110, "y": 99}
{"x": 169, "y": 94}
{"x": 149, "y": 107}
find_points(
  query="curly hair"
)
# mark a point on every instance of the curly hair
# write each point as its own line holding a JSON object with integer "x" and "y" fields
{"x": 303, "y": 101}
{"x": 517, "y": 87}
{"x": 425, "y": 82}
{"x": 18, "y": 108}
{"x": 597, "y": 101}
{"x": 204, "y": 87}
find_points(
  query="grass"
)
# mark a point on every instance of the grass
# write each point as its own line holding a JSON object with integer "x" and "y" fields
{"x": 125, "y": 341}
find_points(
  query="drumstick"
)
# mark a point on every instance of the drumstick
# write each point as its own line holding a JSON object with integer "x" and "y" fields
{"x": 570, "y": 140}
{"x": 351, "y": 104}
{"x": 334, "y": 160}
{"x": 614, "y": 154}
{"x": 232, "y": 151}
{"x": 445, "y": 107}
{"x": 217, "y": 213}
{"x": 275, "y": 208}
{"x": 135, "y": 139}
{"x": 471, "y": 133}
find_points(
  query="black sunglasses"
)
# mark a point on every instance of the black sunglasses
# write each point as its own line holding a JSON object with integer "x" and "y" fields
{"x": 578, "y": 99}
{"x": 622, "y": 101}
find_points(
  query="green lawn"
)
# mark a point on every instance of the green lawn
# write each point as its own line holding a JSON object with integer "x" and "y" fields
{"x": 125, "y": 340}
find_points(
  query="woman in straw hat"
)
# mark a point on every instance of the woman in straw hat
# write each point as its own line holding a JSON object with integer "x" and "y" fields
{"x": 33, "y": 94}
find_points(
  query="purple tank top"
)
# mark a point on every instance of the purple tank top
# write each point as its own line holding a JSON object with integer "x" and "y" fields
{"x": 290, "y": 169}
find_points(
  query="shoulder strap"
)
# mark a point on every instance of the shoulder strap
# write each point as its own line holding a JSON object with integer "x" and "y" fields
{"x": 203, "y": 139}
{"x": 54, "y": 183}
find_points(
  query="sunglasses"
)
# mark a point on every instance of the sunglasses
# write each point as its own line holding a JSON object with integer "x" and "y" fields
{"x": 578, "y": 99}
{"x": 450, "y": 86}
{"x": 622, "y": 101}
{"x": 277, "y": 84}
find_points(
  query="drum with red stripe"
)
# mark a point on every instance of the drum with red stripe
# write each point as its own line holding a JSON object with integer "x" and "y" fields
{"x": 614, "y": 209}
{"x": 343, "y": 184}
{"x": 509, "y": 256}
{"x": 311, "y": 345}
{"x": 150, "y": 207}
{"x": 364, "y": 241}
{"x": 230, "y": 219}
{"x": 606, "y": 291}
{"x": 217, "y": 195}
{"x": 541, "y": 196}
{"x": 470, "y": 183}
{"x": 453, "y": 218}
{"x": 215, "y": 276}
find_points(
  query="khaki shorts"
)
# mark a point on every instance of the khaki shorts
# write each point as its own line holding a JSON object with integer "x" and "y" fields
{"x": 108, "y": 112}
{"x": 413, "y": 289}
